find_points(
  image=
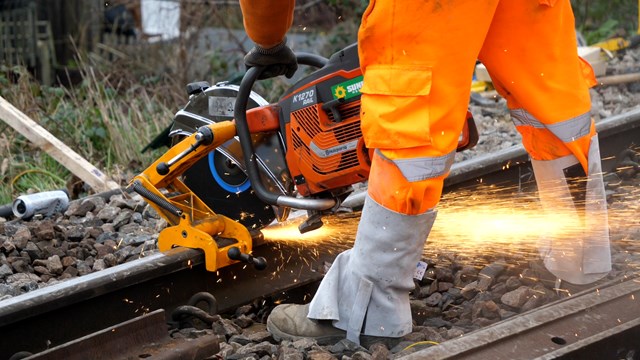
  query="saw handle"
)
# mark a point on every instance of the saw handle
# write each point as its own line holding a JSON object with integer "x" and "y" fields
{"x": 204, "y": 136}
{"x": 259, "y": 263}
{"x": 242, "y": 129}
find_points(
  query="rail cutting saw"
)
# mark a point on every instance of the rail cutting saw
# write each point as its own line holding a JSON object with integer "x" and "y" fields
{"x": 239, "y": 162}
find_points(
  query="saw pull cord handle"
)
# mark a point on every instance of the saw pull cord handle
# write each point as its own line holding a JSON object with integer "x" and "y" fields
{"x": 240, "y": 114}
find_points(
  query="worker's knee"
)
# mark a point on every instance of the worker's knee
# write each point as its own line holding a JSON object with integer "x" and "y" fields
{"x": 408, "y": 181}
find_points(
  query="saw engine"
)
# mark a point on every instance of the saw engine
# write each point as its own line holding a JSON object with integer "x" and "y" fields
{"x": 321, "y": 117}
{"x": 303, "y": 152}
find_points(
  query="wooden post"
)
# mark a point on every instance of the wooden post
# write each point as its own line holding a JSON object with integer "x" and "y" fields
{"x": 618, "y": 79}
{"x": 55, "y": 148}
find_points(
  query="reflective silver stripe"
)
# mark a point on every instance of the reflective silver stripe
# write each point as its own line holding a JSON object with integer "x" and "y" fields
{"x": 567, "y": 131}
{"x": 521, "y": 117}
{"x": 418, "y": 169}
{"x": 572, "y": 129}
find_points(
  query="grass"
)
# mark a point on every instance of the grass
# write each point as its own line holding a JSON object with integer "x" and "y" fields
{"x": 126, "y": 97}
{"x": 104, "y": 122}
{"x": 600, "y": 20}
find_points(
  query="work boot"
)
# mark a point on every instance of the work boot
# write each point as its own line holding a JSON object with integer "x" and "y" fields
{"x": 290, "y": 322}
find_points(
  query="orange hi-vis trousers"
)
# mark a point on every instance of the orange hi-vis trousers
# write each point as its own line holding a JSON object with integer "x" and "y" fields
{"x": 418, "y": 59}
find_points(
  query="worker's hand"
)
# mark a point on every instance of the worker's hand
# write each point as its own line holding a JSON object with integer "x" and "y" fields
{"x": 278, "y": 60}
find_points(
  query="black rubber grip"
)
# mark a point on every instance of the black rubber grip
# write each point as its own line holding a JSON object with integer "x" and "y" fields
{"x": 147, "y": 194}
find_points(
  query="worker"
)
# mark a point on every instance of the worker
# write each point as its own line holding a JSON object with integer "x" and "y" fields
{"x": 417, "y": 59}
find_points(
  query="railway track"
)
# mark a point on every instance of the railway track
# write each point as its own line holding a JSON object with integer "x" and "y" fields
{"x": 158, "y": 285}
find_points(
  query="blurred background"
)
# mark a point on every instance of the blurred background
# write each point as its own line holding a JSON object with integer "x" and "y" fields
{"x": 106, "y": 77}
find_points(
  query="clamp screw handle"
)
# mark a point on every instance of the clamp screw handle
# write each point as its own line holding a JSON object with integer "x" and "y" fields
{"x": 259, "y": 263}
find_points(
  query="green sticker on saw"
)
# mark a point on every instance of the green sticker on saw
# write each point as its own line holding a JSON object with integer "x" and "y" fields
{"x": 347, "y": 89}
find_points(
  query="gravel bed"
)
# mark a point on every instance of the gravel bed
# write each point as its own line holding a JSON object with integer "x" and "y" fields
{"x": 456, "y": 296}
{"x": 93, "y": 234}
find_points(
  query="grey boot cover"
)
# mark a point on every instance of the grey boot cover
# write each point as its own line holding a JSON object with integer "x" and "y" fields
{"x": 366, "y": 290}
{"x": 585, "y": 257}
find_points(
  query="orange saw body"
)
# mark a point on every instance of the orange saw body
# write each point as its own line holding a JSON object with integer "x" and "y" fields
{"x": 304, "y": 152}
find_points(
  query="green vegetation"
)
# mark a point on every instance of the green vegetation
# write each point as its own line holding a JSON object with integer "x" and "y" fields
{"x": 600, "y": 20}
{"x": 104, "y": 123}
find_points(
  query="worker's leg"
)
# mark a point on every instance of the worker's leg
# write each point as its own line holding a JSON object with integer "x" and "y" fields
{"x": 531, "y": 54}
{"x": 367, "y": 288}
{"x": 417, "y": 59}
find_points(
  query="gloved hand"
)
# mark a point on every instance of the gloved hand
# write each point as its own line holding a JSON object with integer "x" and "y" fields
{"x": 277, "y": 60}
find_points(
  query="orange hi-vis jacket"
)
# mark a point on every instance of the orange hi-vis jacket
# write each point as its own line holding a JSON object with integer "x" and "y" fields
{"x": 418, "y": 59}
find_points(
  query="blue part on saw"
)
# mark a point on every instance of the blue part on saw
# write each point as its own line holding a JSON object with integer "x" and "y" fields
{"x": 234, "y": 189}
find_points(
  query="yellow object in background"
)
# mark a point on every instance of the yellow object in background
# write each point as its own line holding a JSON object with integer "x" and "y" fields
{"x": 481, "y": 86}
{"x": 614, "y": 44}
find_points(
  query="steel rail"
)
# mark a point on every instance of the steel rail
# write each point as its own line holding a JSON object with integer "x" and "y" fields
{"x": 143, "y": 337}
{"x": 603, "y": 324}
{"x": 60, "y": 313}
{"x": 33, "y": 321}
